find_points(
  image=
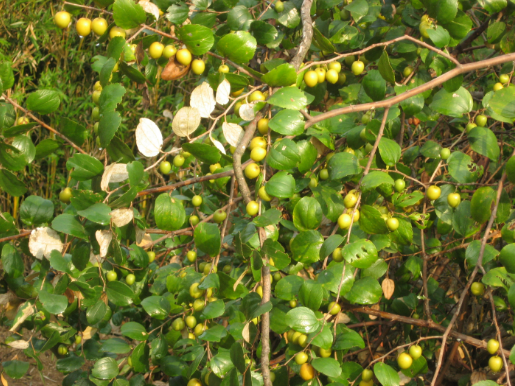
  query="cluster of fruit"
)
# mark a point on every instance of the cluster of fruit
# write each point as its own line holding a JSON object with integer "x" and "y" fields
{"x": 84, "y": 25}
{"x": 495, "y": 362}
{"x": 405, "y": 359}
{"x": 256, "y": 96}
{"x": 332, "y": 74}
{"x": 165, "y": 167}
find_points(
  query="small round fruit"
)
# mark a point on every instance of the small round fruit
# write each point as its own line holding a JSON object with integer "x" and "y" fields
{"x": 95, "y": 113}
{"x": 357, "y": 67}
{"x": 366, "y": 383}
{"x": 492, "y": 346}
{"x": 237, "y": 92}
{"x": 257, "y": 96}
{"x": 22, "y": 121}
{"x": 191, "y": 256}
{"x": 83, "y": 26}
{"x": 169, "y": 51}
{"x": 111, "y": 276}
{"x": 400, "y": 184}
{"x": 313, "y": 182}
{"x": 453, "y": 200}
{"x": 504, "y": 78}
{"x": 178, "y": 324}
{"x": 404, "y": 360}
{"x": 259, "y": 291}
{"x": 423, "y": 27}
{"x": 196, "y": 200}
{"x": 470, "y": 126}
{"x": 151, "y": 256}
{"x": 198, "y": 66}
{"x": 336, "y": 66}
{"x": 263, "y": 194}
{"x": 130, "y": 279}
{"x": 324, "y": 174}
{"x": 224, "y": 69}
{"x": 337, "y": 255}
{"x": 62, "y": 350}
{"x": 301, "y": 358}
{"x": 219, "y": 216}
{"x": 342, "y": 78}
{"x": 302, "y": 341}
{"x": 95, "y": 96}
{"x": 65, "y": 195}
{"x": 258, "y": 154}
{"x": 95, "y": 127}
{"x": 307, "y": 372}
{"x": 415, "y": 352}
{"x": 252, "y": 208}
{"x": 156, "y": 50}
{"x": 334, "y": 308}
{"x": 445, "y": 153}
{"x": 195, "y": 292}
{"x": 392, "y": 224}
{"x": 62, "y": 19}
{"x": 99, "y": 26}
{"x": 344, "y": 221}
{"x": 165, "y": 167}
{"x": 194, "y": 382}
{"x": 198, "y": 305}
{"x": 331, "y": 76}
{"x": 350, "y": 200}
{"x": 367, "y": 375}
{"x": 495, "y": 363}
{"x": 191, "y": 321}
{"x": 252, "y": 171}
{"x": 481, "y": 120}
{"x": 78, "y": 339}
{"x": 433, "y": 192}
{"x": 257, "y": 142}
{"x": 183, "y": 57}
{"x": 262, "y": 126}
{"x": 320, "y": 74}
{"x": 407, "y": 71}
{"x": 199, "y": 328}
{"x": 194, "y": 220}
{"x": 178, "y": 160}
{"x": 293, "y": 303}
{"x": 277, "y": 276}
{"x": 325, "y": 353}
{"x": 97, "y": 86}
{"x": 279, "y": 6}
{"x": 477, "y": 289}
{"x": 498, "y": 86}
{"x": 117, "y": 31}
{"x": 349, "y": 60}
{"x": 311, "y": 78}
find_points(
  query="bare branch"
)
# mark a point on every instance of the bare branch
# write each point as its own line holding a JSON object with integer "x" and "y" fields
{"x": 307, "y": 34}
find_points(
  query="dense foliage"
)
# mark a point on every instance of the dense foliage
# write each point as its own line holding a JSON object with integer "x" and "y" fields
{"x": 243, "y": 192}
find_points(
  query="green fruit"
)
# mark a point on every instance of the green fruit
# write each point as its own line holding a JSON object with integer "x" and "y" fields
{"x": 350, "y": 199}
{"x": 337, "y": 255}
{"x": 492, "y": 346}
{"x": 263, "y": 194}
{"x": 198, "y": 305}
{"x": 342, "y": 78}
{"x": 117, "y": 31}
{"x": 279, "y": 6}
{"x": 65, "y": 195}
{"x": 151, "y": 256}
{"x": 423, "y": 27}
{"x": 311, "y": 78}
{"x": 293, "y": 303}
{"x": 301, "y": 358}
{"x": 320, "y": 74}
{"x": 96, "y": 96}
{"x": 195, "y": 292}
{"x": 495, "y": 363}
{"x": 481, "y": 120}
{"x": 357, "y": 67}
{"x": 500, "y": 304}
{"x": 262, "y": 126}
{"x": 169, "y": 51}
{"x": 78, "y": 339}
{"x": 445, "y": 153}
{"x": 252, "y": 208}
{"x": 331, "y": 76}
{"x": 258, "y": 154}
{"x": 404, "y": 360}
{"x": 111, "y": 276}
{"x": 62, "y": 350}
{"x": 191, "y": 256}
{"x": 95, "y": 113}
{"x": 219, "y": 216}
{"x": 477, "y": 289}
{"x": 334, "y": 308}
{"x": 223, "y": 69}
{"x": 400, "y": 185}
{"x": 313, "y": 183}
{"x": 324, "y": 174}
{"x": 415, "y": 351}
{"x": 196, "y": 200}
{"x": 392, "y": 224}
{"x": 407, "y": 71}
{"x": 165, "y": 167}
{"x": 336, "y": 66}
{"x": 498, "y": 86}
{"x": 99, "y": 26}
{"x": 194, "y": 220}
{"x": 433, "y": 192}
{"x": 453, "y": 200}
{"x": 470, "y": 126}
{"x": 349, "y": 60}
{"x": 256, "y": 96}
{"x": 504, "y": 78}
{"x": 324, "y": 353}
{"x": 178, "y": 160}
{"x": 130, "y": 279}
{"x": 367, "y": 375}
{"x": 178, "y": 324}
{"x": 344, "y": 14}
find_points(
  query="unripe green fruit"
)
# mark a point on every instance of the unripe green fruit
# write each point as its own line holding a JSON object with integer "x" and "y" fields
{"x": 191, "y": 256}
{"x": 196, "y": 200}
{"x": 477, "y": 289}
{"x": 279, "y": 6}
{"x": 357, "y": 67}
{"x": 415, "y": 351}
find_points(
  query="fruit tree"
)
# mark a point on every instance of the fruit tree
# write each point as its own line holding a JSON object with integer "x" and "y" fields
{"x": 250, "y": 192}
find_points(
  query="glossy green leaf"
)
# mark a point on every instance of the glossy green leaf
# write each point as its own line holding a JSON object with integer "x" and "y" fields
{"x": 238, "y": 47}
{"x": 207, "y": 238}
{"x": 43, "y": 101}
{"x": 127, "y": 14}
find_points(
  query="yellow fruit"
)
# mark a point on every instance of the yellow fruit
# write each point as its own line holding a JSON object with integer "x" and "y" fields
{"x": 183, "y": 57}
{"x": 169, "y": 51}
{"x": 117, "y": 31}
{"x": 156, "y": 50}
{"x": 263, "y": 194}
{"x": 262, "y": 126}
{"x": 62, "y": 19}
{"x": 331, "y": 76}
{"x": 194, "y": 382}
{"x": 237, "y": 92}
{"x": 311, "y": 78}
{"x": 258, "y": 154}
{"x": 83, "y": 26}
{"x": 198, "y": 66}
{"x": 256, "y": 96}
{"x": 321, "y": 75}
{"x": 336, "y": 66}
{"x": 224, "y": 69}
{"x": 307, "y": 372}
{"x": 99, "y": 26}
{"x": 404, "y": 360}
{"x": 252, "y": 171}
{"x": 257, "y": 142}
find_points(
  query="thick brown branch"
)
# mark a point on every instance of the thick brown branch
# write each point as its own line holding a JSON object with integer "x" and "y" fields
{"x": 413, "y": 92}
{"x": 307, "y": 34}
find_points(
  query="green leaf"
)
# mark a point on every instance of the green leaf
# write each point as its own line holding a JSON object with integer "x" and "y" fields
{"x": 270, "y": 217}
{"x": 108, "y": 126}
{"x": 439, "y": 36}
{"x": 84, "y": 167}
{"x": 283, "y": 155}
{"x": 46, "y": 147}
{"x": 238, "y": 357}
{"x": 207, "y": 238}
{"x": 507, "y": 258}
{"x": 10, "y": 184}
{"x": 431, "y": 149}
{"x": 156, "y": 306}
{"x": 307, "y": 152}
{"x": 283, "y": 75}
{"x": 386, "y": 374}
{"x": 132, "y": 73}
{"x": 454, "y": 104}
{"x": 12, "y": 261}
{"x": 493, "y": 6}
{"x": 462, "y": 221}
{"x": 6, "y": 75}
{"x": 263, "y": 32}
{"x": 239, "y": 18}
{"x": 139, "y": 356}
{"x": 307, "y": 214}
{"x": 390, "y": 151}
{"x": 289, "y": 17}
{"x": 385, "y": 68}
{"x": 69, "y": 364}
{"x": 290, "y": 98}
{"x": 198, "y": 38}
{"x": 35, "y": 210}
{"x": 76, "y": 132}
{"x": 373, "y": 179}
{"x": 55, "y": 304}
{"x": 43, "y": 101}
{"x": 238, "y": 47}
{"x": 127, "y": 15}
{"x": 306, "y": 245}
{"x": 287, "y": 122}
{"x": 484, "y": 142}
{"x": 96, "y": 312}
{"x": 68, "y": 223}
{"x": 120, "y": 294}
{"x": 462, "y": 169}
{"x": 105, "y": 368}
{"x": 330, "y": 200}
{"x": 374, "y": 85}
{"x": 460, "y": 26}
{"x": 115, "y": 346}
{"x": 365, "y": 291}
{"x": 97, "y": 213}
{"x": 169, "y": 213}
{"x": 330, "y": 244}
{"x": 361, "y": 253}
{"x": 214, "y": 310}
{"x": 251, "y": 306}
{"x": 481, "y": 204}
{"x": 111, "y": 96}
{"x": 205, "y": 153}
{"x": 348, "y": 339}
{"x": 311, "y": 294}
{"x": 320, "y": 41}
{"x": 288, "y": 287}
{"x": 502, "y": 103}
{"x": 15, "y": 369}
{"x": 134, "y": 330}
{"x": 303, "y": 320}
{"x": 472, "y": 253}
{"x": 358, "y": 9}
{"x": 342, "y": 164}
{"x": 178, "y": 13}
{"x": 281, "y": 185}
{"x": 327, "y": 366}
{"x": 510, "y": 170}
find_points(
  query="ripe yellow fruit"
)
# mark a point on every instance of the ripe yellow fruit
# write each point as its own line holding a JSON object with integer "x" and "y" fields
{"x": 307, "y": 372}
{"x": 336, "y": 66}
{"x": 311, "y": 78}
{"x": 237, "y": 92}
{"x": 99, "y": 26}
{"x": 321, "y": 75}
{"x": 117, "y": 31}
{"x": 257, "y": 142}
{"x": 62, "y": 19}
{"x": 252, "y": 171}
{"x": 331, "y": 76}
{"x": 433, "y": 192}
{"x": 183, "y": 57}
{"x": 262, "y": 126}
{"x": 194, "y": 382}
{"x": 404, "y": 360}
{"x": 156, "y": 50}
{"x": 83, "y": 26}
{"x": 263, "y": 194}
{"x": 169, "y": 51}
{"x": 258, "y": 154}
{"x": 257, "y": 96}
{"x": 198, "y": 66}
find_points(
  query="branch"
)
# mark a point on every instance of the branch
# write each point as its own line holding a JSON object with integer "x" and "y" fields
{"x": 413, "y": 92}
{"x": 49, "y": 128}
{"x": 15, "y": 237}
{"x": 307, "y": 34}
{"x": 465, "y": 43}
